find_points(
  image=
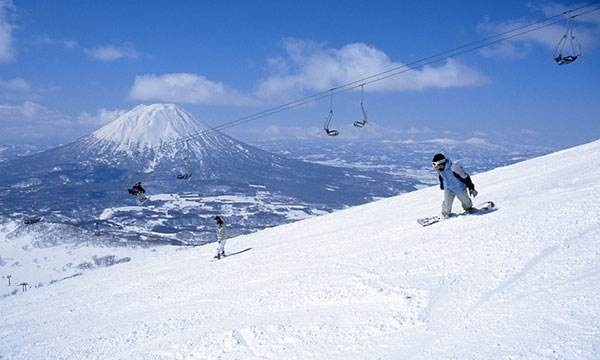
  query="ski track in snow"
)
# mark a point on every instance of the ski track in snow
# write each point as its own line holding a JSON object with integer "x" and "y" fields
{"x": 364, "y": 283}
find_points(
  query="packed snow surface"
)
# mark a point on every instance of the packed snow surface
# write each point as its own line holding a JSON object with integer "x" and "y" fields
{"x": 368, "y": 282}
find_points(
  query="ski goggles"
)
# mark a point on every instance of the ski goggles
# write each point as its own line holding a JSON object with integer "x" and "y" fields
{"x": 439, "y": 162}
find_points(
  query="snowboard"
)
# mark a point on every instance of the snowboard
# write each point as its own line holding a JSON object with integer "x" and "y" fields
{"x": 218, "y": 259}
{"x": 482, "y": 208}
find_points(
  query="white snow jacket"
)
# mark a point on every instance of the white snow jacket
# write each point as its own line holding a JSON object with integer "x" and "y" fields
{"x": 220, "y": 233}
{"x": 454, "y": 179}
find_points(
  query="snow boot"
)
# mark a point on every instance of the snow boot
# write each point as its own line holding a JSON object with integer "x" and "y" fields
{"x": 471, "y": 210}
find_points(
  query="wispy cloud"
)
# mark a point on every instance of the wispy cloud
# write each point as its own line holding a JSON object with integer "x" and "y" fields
{"x": 16, "y": 89}
{"x": 7, "y": 51}
{"x": 185, "y": 88}
{"x": 104, "y": 53}
{"x": 31, "y": 121}
{"x": 310, "y": 66}
{"x": 100, "y": 117}
{"x": 586, "y": 31}
{"x": 47, "y": 40}
{"x": 551, "y": 9}
{"x": 110, "y": 53}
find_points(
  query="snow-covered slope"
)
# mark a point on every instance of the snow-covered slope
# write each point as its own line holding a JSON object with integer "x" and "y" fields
{"x": 521, "y": 282}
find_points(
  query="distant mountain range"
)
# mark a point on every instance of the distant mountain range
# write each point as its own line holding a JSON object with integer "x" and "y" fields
{"x": 84, "y": 183}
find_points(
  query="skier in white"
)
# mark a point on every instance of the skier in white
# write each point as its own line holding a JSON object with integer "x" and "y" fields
{"x": 221, "y": 238}
{"x": 455, "y": 182}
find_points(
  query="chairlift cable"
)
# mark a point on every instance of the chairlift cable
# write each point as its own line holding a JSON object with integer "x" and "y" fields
{"x": 398, "y": 70}
{"x": 351, "y": 86}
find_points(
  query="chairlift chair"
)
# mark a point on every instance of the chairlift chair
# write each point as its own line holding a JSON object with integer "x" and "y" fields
{"x": 186, "y": 174}
{"x": 567, "y": 42}
{"x": 363, "y": 122}
{"x": 328, "y": 131}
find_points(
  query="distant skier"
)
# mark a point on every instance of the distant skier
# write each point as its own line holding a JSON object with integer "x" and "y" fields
{"x": 221, "y": 238}
{"x": 455, "y": 182}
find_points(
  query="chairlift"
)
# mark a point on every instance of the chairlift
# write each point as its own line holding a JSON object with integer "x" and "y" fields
{"x": 568, "y": 42}
{"x": 363, "y": 122}
{"x": 138, "y": 192}
{"x": 328, "y": 131}
{"x": 186, "y": 174}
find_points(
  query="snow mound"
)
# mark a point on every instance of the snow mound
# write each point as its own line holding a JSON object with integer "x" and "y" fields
{"x": 368, "y": 282}
{"x": 148, "y": 126}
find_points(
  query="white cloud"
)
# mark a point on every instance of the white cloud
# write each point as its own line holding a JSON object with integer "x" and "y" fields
{"x": 101, "y": 117}
{"x": 551, "y": 9}
{"x": 17, "y": 84}
{"x": 111, "y": 53}
{"x": 318, "y": 68}
{"x": 7, "y": 51}
{"x": 586, "y": 32}
{"x": 185, "y": 88}
{"x": 27, "y": 109}
{"x": 307, "y": 67}
{"x": 31, "y": 121}
{"x": 47, "y": 40}
{"x": 16, "y": 89}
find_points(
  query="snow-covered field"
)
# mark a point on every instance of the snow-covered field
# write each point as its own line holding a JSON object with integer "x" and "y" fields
{"x": 368, "y": 282}
{"x": 40, "y": 258}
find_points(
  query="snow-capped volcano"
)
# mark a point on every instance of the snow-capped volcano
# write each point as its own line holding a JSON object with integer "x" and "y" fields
{"x": 87, "y": 179}
{"x": 159, "y": 133}
{"x": 147, "y": 126}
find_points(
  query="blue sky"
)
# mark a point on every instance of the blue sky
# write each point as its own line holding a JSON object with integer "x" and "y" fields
{"x": 68, "y": 67}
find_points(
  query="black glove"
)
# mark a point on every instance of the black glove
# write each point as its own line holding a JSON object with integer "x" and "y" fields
{"x": 473, "y": 192}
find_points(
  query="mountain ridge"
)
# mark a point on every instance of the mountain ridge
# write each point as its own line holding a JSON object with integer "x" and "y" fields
{"x": 82, "y": 179}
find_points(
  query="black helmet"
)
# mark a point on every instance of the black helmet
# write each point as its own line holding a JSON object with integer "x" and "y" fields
{"x": 438, "y": 159}
{"x": 218, "y": 219}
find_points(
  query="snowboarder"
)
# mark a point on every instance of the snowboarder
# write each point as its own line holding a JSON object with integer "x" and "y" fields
{"x": 455, "y": 182}
{"x": 221, "y": 239}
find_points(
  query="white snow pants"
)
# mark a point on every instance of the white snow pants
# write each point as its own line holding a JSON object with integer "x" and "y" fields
{"x": 221, "y": 247}
{"x": 464, "y": 198}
